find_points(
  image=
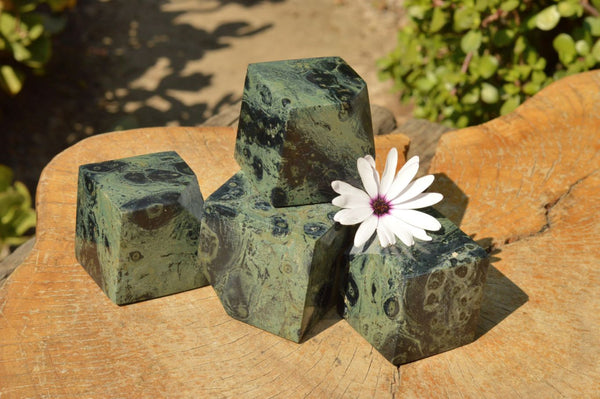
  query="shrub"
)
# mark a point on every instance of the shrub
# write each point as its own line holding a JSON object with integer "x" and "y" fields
{"x": 26, "y": 27}
{"x": 466, "y": 62}
{"x": 16, "y": 214}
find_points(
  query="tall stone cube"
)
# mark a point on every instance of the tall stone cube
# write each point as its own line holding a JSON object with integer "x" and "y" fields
{"x": 137, "y": 227}
{"x": 303, "y": 124}
{"x": 273, "y": 268}
{"x": 414, "y": 302}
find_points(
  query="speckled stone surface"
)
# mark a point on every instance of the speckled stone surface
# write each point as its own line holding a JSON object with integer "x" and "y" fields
{"x": 137, "y": 228}
{"x": 303, "y": 124}
{"x": 410, "y": 303}
{"x": 273, "y": 268}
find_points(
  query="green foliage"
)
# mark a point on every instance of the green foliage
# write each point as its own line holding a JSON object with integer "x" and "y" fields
{"x": 466, "y": 62}
{"x": 16, "y": 213}
{"x": 26, "y": 27}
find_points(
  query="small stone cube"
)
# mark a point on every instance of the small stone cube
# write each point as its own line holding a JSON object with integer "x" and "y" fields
{"x": 303, "y": 124}
{"x": 414, "y": 302}
{"x": 137, "y": 227}
{"x": 273, "y": 268}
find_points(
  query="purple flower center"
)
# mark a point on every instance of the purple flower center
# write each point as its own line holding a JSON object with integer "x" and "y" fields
{"x": 380, "y": 206}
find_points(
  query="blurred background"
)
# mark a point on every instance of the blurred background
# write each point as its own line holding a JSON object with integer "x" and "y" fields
{"x": 122, "y": 64}
{"x": 70, "y": 69}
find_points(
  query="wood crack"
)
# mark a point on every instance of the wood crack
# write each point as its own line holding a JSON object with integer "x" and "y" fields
{"x": 395, "y": 383}
{"x": 550, "y": 206}
{"x": 547, "y": 210}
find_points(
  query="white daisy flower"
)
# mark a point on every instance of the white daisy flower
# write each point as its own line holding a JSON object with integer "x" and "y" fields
{"x": 387, "y": 205}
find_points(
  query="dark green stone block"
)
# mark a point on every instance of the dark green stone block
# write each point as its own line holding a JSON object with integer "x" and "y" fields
{"x": 303, "y": 124}
{"x": 414, "y": 302}
{"x": 137, "y": 228}
{"x": 273, "y": 268}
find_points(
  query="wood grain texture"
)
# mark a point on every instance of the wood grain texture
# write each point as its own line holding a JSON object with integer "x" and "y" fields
{"x": 526, "y": 185}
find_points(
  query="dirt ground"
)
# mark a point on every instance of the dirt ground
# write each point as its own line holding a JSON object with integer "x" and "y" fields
{"x": 123, "y": 64}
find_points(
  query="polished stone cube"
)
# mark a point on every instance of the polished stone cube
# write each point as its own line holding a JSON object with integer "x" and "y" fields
{"x": 137, "y": 227}
{"x": 273, "y": 268}
{"x": 414, "y": 302}
{"x": 303, "y": 124}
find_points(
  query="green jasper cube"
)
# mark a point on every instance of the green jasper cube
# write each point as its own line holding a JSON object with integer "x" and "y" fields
{"x": 273, "y": 268}
{"x": 137, "y": 227}
{"x": 414, "y": 302}
{"x": 303, "y": 124}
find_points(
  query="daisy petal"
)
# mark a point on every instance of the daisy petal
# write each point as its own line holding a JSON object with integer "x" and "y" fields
{"x": 422, "y": 235}
{"x": 369, "y": 177}
{"x": 417, "y": 219}
{"x": 420, "y": 201}
{"x": 353, "y": 215}
{"x": 344, "y": 188}
{"x": 365, "y": 230}
{"x": 400, "y": 230}
{"x": 404, "y": 176}
{"x": 415, "y": 188}
{"x": 351, "y": 201}
{"x": 390, "y": 170}
{"x": 385, "y": 235}
{"x": 371, "y": 160}
{"x": 400, "y": 227}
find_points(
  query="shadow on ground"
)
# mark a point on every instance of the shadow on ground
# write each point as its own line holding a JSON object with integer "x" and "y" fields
{"x": 119, "y": 65}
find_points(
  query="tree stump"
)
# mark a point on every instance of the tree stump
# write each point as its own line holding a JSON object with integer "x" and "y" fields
{"x": 525, "y": 185}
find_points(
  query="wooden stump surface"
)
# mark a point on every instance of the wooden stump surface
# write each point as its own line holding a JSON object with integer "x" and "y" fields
{"x": 525, "y": 185}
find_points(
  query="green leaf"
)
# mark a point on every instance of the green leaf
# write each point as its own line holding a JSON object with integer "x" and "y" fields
{"x": 523, "y": 70}
{"x": 32, "y": 24}
{"x": 11, "y": 80}
{"x": 424, "y": 84}
{"x": 462, "y": 121}
{"x": 438, "y": 20}
{"x": 25, "y": 6}
{"x": 565, "y": 47}
{"x": 520, "y": 45}
{"x": 539, "y": 77}
{"x": 530, "y": 88}
{"x": 6, "y": 177}
{"x": 23, "y": 221}
{"x": 417, "y": 11}
{"x": 471, "y": 97}
{"x": 420, "y": 113}
{"x": 36, "y": 31}
{"x": 540, "y": 64}
{"x": 509, "y": 5}
{"x": 471, "y": 41}
{"x": 596, "y": 50}
{"x": 488, "y": 65}
{"x": 548, "y": 18}
{"x": 489, "y": 93}
{"x": 22, "y": 190}
{"x": 483, "y": 5}
{"x": 20, "y": 52}
{"x": 592, "y": 24}
{"x": 509, "y": 105}
{"x": 582, "y": 47}
{"x": 503, "y": 37}
{"x": 569, "y": 8}
{"x": 8, "y": 26}
{"x": 511, "y": 89}
{"x": 40, "y": 52}
{"x": 466, "y": 18}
